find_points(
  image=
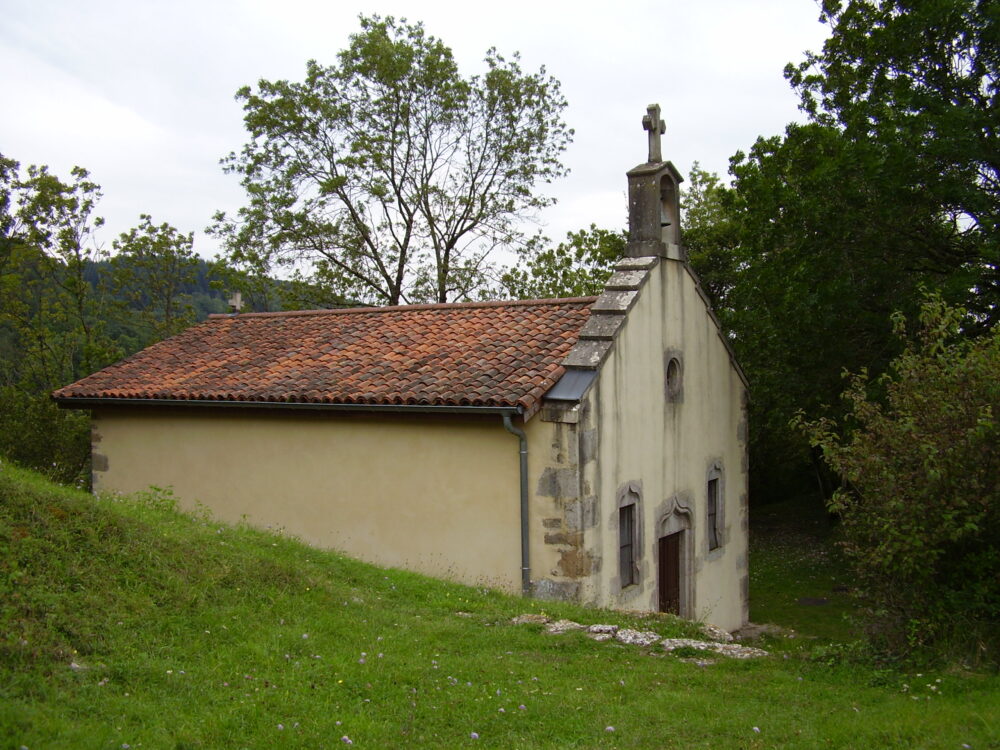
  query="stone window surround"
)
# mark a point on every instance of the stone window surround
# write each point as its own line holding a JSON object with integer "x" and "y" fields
{"x": 628, "y": 572}
{"x": 630, "y": 493}
{"x": 717, "y": 472}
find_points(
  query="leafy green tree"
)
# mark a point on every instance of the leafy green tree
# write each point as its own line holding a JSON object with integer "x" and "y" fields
{"x": 151, "y": 268}
{"x": 820, "y": 244}
{"x": 920, "y": 502}
{"x": 52, "y": 306}
{"x": 919, "y": 81}
{"x": 577, "y": 267}
{"x": 892, "y": 188}
{"x": 51, "y": 320}
{"x": 709, "y": 232}
{"x": 36, "y": 433}
{"x": 389, "y": 174}
{"x": 8, "y": 219}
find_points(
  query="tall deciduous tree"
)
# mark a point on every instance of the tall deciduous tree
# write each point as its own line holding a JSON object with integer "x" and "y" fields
{"x": 894, "y": 186}
{"x": 921, "y": 80}
{"x": 152, "y": 266}
{"x": 391, "y": 174}
{"x": 51, "y": 323}
{"x": 710, "y": 234}
{"x": 54, "y": 226}
{"x": 577, "y": 267}
{"x": 825, "y": 243}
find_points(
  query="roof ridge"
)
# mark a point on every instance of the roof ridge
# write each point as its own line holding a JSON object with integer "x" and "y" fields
{"x": 397, "y": 308}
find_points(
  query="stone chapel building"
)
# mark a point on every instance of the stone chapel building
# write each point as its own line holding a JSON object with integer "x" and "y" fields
{"x": 592, "y": 449}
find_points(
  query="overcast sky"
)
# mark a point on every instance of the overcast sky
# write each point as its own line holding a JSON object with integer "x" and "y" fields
{"x": 140, "y": 92}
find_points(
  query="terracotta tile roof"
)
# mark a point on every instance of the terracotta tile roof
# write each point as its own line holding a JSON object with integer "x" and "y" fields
{"x": 475, "y": 354}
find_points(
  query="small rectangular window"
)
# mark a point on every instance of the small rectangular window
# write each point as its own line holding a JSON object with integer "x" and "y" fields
{"x": 626, "y": 545}
{"x": 713, "y": 513}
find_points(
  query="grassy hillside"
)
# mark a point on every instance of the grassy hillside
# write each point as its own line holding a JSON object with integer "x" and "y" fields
{"x": 124, "y": 624}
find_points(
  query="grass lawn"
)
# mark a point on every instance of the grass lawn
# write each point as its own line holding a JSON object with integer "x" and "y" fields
{"x": 124, "y": 624}
{"x": 797, "y": 579}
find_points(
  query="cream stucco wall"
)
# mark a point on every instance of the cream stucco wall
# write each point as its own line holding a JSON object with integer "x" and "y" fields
{"x": 667, "y": 448}
{"x": 433, "y": 494}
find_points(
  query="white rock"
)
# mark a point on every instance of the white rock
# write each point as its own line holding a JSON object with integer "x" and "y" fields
{"x": 530, "y": 619}
{"x": 715, "y": 633}
{"x": 603, "y": 629}
{"x": 732, "y": 650}
{"x": 637, "y": 637}
{"x": 563, "y": 626}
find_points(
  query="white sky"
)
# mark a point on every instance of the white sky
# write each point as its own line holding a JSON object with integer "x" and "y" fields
{"x": 140, "y": 92}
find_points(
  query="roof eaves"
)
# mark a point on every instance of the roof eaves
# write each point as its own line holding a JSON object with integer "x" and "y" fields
{"x": 76, "y": 402}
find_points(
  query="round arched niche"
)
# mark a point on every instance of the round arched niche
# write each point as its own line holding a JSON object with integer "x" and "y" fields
{"x": 670, "y": 209}
{"x": 673, "y": 376}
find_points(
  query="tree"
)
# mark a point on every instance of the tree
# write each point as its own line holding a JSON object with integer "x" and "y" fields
{"x": 709, "y": 234}
{"x": 151, "y": 268}
{"x": 920, "y": 503}
{"x": 919, "y": 80}
{"x": 577, "y": 267}
{"x": 817, "y": 244}
{"x": 389, "y": 173}
{"x": 53, "y": 231}
{"x": 51, "y": 321}
{"x": 890, "y": 189}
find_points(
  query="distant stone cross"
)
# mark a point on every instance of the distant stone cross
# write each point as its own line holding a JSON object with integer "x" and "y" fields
{"x": 655, "y": 127}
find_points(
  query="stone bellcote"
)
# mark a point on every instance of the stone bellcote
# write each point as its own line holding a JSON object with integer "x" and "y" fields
{"x": 654, "y": 199}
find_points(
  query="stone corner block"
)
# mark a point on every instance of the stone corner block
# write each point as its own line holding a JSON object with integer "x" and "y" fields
{"x": 587, "y": 355}
{"x": 631, "y": 264}
{"x": 630, "y": 280}
{"x": 563, "y": 413}
{"x": 602, "y": 326}
{"x": 546, "y": 588}
{"x": 559, "y": 484}
{"x": 615, "y": 302}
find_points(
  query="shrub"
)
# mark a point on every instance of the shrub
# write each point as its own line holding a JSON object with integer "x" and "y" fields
{"x": 36, "y": 433}
{"x": 920, "y": 499}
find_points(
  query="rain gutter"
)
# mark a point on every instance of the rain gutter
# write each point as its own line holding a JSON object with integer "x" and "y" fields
{"x": 523, "y": 450}
{"x": 99, "y": 403}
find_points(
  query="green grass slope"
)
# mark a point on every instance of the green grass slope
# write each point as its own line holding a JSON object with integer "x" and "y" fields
{"x": 124, "y": 624}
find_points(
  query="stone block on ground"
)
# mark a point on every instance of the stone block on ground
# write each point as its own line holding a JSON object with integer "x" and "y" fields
{"x": 531, "y": 619}
{"x": 563, "y": 626}
{"x": 637, "y": 637}
{"x": 715, "y": 633}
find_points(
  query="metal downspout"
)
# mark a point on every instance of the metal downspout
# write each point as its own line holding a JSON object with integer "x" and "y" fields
{"x": 525, "y": 560}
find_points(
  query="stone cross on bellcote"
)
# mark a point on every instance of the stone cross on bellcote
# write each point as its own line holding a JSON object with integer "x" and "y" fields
{"x": 655, "y": 127}
{"x": 654, "y": 210}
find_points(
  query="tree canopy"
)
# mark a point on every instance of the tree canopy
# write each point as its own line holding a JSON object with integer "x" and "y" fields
{"x": 921, "y": 81}
{"x": 824, "y": 245}
{"x": 828, "y": 229}
{"x": 388, "y": 175}
{"x": 66, "y": 309}
{"x": 577, "y": 267}
{"x": 151, "y": 270}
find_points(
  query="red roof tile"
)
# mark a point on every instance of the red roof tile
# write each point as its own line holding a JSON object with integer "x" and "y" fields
{"x": 475, "y": 354}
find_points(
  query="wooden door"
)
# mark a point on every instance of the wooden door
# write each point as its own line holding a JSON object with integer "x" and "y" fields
{"x": 670, "y": 573}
